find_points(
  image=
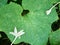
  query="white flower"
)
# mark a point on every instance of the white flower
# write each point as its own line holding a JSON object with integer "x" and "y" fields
{"x": 49, "y": 11}
{"x": 16, "y": 34}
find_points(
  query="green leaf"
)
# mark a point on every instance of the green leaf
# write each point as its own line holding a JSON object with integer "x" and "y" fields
{"x": 36, "y": 24}
{"x": 10, "y": 18}
{"x": 37, "y": 8}
{"x": 55, "y": 37}
{"x": 3, "y": 2}
{"x": 34, "y": 5}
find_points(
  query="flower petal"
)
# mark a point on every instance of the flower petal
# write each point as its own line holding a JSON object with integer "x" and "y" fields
{"x": 15, "y": 30}
{"x": 13, "y": 33}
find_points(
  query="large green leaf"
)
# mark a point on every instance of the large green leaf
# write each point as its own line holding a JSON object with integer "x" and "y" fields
{"x": 36, "y": 24}
{"x": 3, "y": 2}
{"x": 55, "y": 37}
{"x": 37, "y": 8}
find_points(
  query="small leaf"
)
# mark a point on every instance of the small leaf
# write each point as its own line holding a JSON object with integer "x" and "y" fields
{"x": 55, "y": 37}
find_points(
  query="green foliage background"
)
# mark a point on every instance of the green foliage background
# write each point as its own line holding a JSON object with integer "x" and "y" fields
{"x": 36, "y": 24}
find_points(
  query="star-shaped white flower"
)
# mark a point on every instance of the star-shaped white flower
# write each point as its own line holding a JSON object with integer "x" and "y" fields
{"x": 17, "y": 34}
{"x": 49, "y": 11}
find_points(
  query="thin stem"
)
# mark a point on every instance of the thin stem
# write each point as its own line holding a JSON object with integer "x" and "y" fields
{"x": 49, "y": 11}
{"x": 14, "y": 40}
{"x": 54, "y": 5}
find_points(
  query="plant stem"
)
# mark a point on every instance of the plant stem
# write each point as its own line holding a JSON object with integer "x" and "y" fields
{"x": 14, "y": 40}
{"x": 54, "y": 5}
